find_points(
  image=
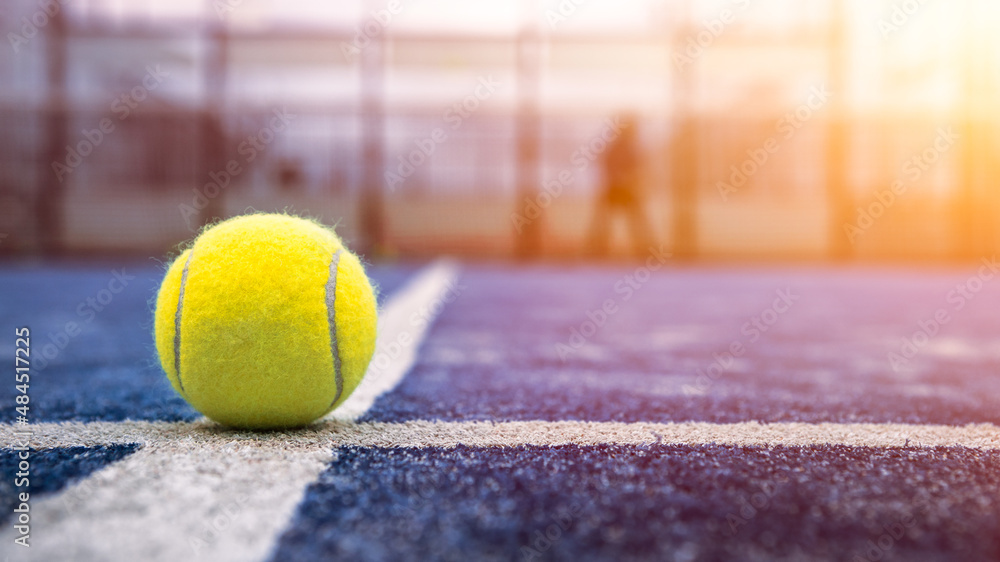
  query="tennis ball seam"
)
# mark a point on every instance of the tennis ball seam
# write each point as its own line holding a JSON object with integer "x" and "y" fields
{"x": 331, "y": 314}
{"x": 177, "y": 321}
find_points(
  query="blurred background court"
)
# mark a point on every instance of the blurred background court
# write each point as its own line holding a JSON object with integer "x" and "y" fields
{"x": 768, "y": 129}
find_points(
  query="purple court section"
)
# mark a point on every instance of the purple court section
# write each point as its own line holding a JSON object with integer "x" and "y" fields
{"x": 710, "y": 344}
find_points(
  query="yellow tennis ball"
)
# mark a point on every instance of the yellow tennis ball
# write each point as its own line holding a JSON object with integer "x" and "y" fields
{"x": 267, "y": 321}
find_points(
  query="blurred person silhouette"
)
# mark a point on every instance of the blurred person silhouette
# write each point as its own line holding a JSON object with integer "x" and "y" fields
{"x": 621, "y": 192}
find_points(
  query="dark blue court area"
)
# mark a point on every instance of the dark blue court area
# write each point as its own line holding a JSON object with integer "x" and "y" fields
{"x": 655, "y": 502}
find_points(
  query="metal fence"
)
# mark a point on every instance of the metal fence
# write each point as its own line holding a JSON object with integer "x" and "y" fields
{"x": 424, "y": 143}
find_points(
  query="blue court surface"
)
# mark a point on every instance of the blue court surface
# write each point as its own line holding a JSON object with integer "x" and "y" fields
{"x": 545, "y": 413}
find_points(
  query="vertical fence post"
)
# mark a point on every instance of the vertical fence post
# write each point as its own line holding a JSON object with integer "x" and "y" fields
{"x": 51, "y": 190}
{"x": 211, "y": 128}
{"x": 685, "y": 179}
{"x": 967, "y": 218}
{"x": 528, "y": 238}
{"x": 684, "y": 147}
{"x": 839, "y": 197}
{"x": 371, "y": 203}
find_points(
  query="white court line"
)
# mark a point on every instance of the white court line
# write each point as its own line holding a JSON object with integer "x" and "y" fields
{"x": 333, "y": 433}
{"x": 196, "y": 491}
{"x": 405, "y": 318}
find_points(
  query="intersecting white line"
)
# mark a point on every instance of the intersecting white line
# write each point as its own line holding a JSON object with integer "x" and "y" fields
{"x": 197, "y": 491}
